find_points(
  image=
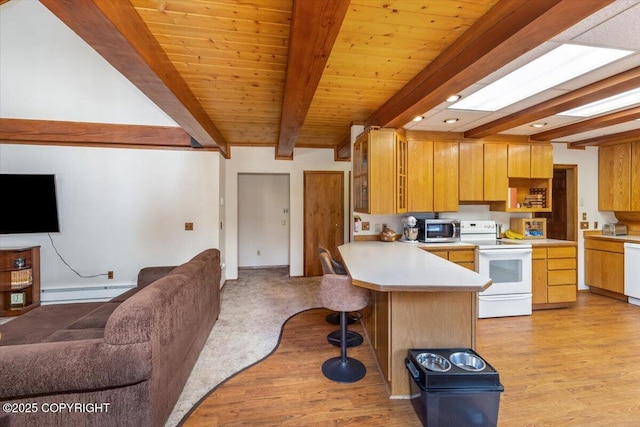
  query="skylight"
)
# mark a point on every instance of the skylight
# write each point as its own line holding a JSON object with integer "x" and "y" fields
{"x": 615, "y": 102}
{"x": 551, "y": 69}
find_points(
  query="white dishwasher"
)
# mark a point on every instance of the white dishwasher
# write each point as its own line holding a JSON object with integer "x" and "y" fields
{"x": 632, "y": 272}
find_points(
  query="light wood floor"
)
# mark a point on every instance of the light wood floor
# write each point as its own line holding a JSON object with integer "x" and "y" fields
{"x": 565, "y": 367}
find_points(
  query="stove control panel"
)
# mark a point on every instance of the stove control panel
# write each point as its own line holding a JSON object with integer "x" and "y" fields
{"x": 477, "y": 227}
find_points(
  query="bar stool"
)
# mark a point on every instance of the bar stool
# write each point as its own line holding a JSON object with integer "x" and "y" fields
{"x": 338, "y": 294}
{"x": 331, "y": 266}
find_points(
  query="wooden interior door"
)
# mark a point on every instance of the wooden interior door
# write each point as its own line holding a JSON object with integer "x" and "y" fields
{"x": 323, "y": 216}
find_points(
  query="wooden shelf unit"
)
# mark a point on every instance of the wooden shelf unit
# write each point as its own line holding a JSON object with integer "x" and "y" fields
{"x": 19, "y": 284}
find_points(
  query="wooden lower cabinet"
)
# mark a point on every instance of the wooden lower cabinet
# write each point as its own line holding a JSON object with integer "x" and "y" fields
{"x": 604, "y": 266}
{"x": 554, "y": 275}
{"x": 463, "y": 257}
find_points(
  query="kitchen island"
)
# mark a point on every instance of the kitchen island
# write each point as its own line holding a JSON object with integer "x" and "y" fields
{"x": 419, "y": 301}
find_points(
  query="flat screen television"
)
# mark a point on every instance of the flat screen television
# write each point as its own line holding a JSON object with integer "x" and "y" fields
{"x": 29, "y": 205}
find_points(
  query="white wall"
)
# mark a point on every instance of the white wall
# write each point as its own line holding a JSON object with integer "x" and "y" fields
{"x": 49, "y": 73}
{"x": 119, "y": 209}
{"x": 263, "y": 220}
{"x": 262, "y": 160}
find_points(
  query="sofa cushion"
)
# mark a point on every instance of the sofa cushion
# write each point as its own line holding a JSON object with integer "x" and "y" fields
{"x": 96, "y": 318}
{"x": 75, "y": 334}
{"x": 37, "y": 325}
{"x": 149, "y": 275}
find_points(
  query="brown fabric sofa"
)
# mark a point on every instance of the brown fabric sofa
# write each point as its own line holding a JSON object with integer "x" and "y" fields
{"x": 119, "y": 363}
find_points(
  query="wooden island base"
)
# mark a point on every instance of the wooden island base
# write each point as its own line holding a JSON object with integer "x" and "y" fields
{"x": 397, "y": 321}
{"x": 419, "y": 301}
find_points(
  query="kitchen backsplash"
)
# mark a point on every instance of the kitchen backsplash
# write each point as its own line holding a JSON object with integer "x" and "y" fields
{"x": 465, "y": 212}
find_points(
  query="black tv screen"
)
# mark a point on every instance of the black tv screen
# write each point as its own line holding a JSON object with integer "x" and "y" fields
{"x": 29, "y": 204}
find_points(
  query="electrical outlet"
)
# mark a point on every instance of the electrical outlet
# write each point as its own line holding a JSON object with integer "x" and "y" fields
{"x": 366, "y": 226}
{"x": 595, "y": 225}
{"x": 584, "y": 216}
{"x": 584, "y": 225}
{"x": 188, "y": 226}
{"x": 378, "y": 228}
{"x": 109, "y": 274}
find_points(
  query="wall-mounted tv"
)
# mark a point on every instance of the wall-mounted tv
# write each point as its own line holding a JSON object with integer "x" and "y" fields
{"x": 29, "y": 204}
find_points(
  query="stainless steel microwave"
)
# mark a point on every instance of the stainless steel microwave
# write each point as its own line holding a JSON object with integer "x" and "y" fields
{"x": 438, "y": 230}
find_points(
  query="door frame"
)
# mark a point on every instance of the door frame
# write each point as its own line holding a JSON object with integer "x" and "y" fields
{"x": 572, "y": 199}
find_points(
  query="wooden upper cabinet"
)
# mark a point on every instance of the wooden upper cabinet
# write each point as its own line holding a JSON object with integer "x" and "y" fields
{"x": 432, "y": 173}
{"x": 374, "y": 172}
{"x": 401, "y": 172}
{"x": 472, "y": 172}
{"x": 483, "y": 171}
{"x": 380, "y": 172}
{"x": 530, "y": 161}
{"x": 445, "y": 176}
{"x": 420, "y": 175}
{"x": 519, "y": 165}
{"x": 635, "y": 176}
{"x": 542, "y": 161}
{"x": 496, "y": 181}
{"x": 615, "y": 177}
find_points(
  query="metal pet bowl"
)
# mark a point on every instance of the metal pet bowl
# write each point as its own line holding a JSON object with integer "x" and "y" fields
{"x": 433, "y": 362}
{"x": 467, "y": 361}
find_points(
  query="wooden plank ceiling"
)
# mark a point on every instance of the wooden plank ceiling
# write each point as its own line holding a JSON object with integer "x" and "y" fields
{"x": 300, "y": 73}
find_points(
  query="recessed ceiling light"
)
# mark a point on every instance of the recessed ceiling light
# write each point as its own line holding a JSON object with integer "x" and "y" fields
{"x": 453, "y": 98}
{"x": 418, "y": 118}
{"x": 608, "y": 104}
{"x": 551, "y": 69}
{"x": 538, "y": 125}
{"x": 449, "y": 121}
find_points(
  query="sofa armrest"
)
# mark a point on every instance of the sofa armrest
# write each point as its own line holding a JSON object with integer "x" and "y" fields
{"x": 71, "y": 366}
{"x": 149, "y": 275}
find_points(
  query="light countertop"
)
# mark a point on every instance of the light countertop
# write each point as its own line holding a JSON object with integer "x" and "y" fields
{"x": 546, "y": 242}
{"x": 625, "y": 238}
{"x": 396, "y": 266}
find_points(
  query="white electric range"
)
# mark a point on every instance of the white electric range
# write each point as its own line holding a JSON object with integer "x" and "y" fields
{"x": 508, "y": 264}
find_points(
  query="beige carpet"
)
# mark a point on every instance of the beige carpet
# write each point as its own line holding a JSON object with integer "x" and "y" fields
{"x": 254, "y": 308}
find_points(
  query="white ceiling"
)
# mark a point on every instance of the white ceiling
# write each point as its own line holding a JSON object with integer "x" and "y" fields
{"x": 615, "y": 26}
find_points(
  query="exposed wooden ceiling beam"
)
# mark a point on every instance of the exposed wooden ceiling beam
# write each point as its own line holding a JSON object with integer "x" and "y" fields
{"x": 508, "y": 30}
{"x": 116, "y": 31}
{"x": 97, "y": 134}
{"x": 587, "y": 125}
{"x": 628, "y": 136}
{"x": 614, "y": 85}
{"x": 343, "y": 150}
{"x": 314, "y": 28}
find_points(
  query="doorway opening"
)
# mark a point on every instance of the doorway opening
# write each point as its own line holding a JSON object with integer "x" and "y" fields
{"x": 263, "y": 220}
{"x": 562, "y": 221}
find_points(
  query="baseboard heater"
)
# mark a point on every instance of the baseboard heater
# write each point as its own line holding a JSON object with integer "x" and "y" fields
{"x": 82, "y": 293}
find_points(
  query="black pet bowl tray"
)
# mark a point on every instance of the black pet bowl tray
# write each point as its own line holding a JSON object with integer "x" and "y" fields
{"x": 451, "y": 368}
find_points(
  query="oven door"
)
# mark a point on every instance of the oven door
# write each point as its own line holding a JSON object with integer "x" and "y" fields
{"x": 509, "y": 269}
